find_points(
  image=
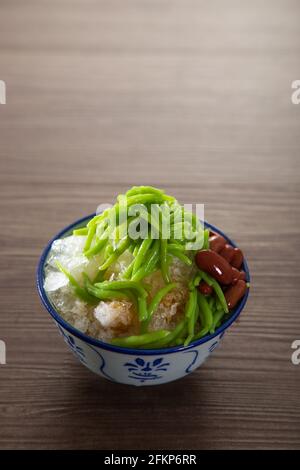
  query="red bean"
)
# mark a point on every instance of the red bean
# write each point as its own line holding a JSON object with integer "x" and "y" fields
{"x": 237, "y": 275}
{"x": 215, "y": 265}
{"x": 227, "y": 252}
{"x": 216, "y": 242}
{"x": 235, "y": 293}
{"x": 237, "y": 259}
{"x": 204, "y": 288}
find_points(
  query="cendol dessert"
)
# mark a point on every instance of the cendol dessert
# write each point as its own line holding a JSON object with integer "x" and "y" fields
{"x": 144, "y": 273}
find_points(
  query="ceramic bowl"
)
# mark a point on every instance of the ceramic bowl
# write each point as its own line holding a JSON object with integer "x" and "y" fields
{"x": 135, "y": 366}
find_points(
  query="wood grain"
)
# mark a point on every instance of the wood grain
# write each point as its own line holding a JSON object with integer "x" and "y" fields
{"x": 192, "y": 96}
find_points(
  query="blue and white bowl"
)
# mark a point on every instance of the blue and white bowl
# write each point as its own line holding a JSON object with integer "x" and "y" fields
{"x": 134, "y": 366}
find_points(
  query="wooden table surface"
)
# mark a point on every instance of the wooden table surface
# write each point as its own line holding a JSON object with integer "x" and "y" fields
{"x": 194, "y": 97}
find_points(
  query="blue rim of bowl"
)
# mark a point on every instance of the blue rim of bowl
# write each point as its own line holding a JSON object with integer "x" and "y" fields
{"x": 130, "y": 351}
